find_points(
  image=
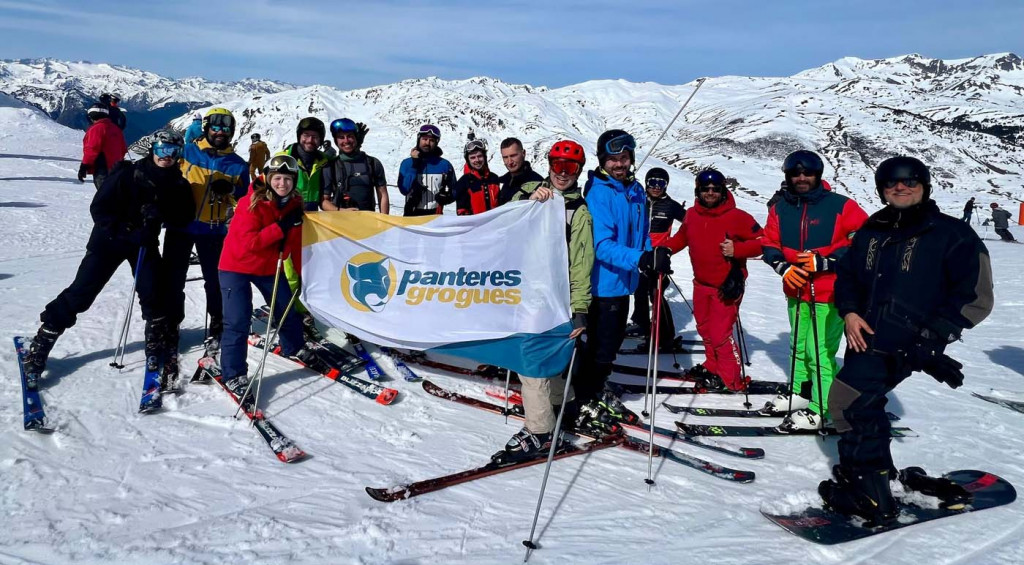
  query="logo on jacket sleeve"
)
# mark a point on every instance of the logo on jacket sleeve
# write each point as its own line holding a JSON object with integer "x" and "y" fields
{"x": 368, "y": 281}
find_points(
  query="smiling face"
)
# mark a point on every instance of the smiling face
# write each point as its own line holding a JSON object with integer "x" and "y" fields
{"x": 346, "y": 141}
{"x": 310, "y": 141}
{"x": 426, "y": 144}
{"x": 282, "y": 184}
{"x": 477, "y": 159}
{"x": 617, "y": 166}
{"x": 904, "y": 196}
{"x": 803, "y": 181}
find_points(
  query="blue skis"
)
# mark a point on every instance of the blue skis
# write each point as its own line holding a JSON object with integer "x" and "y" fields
{"x": 35, "y": 417}
{"x": 400, "y": 365}
{"x": 151, "y": 397}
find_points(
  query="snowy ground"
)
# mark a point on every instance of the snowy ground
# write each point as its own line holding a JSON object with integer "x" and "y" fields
{"x": 192, "y": 485}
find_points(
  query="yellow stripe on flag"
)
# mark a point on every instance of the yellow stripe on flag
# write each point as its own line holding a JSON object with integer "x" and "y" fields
{"x": 325, "y": 226}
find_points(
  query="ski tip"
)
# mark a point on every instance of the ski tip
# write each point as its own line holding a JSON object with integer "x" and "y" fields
{"x": 292, "y": 456}
{"x": 387, "y": 396}
{"x": 752, "y": 452}
{"x": 385, "y": 495}
{"x": 333, "y": 373}
{"x": 39, "y": 427}
{"x": 744, "y": 476}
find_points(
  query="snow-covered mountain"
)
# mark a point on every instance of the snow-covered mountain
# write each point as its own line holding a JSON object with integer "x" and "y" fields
{"x": 962, "y": 117}
{"x": 63, "y": 89}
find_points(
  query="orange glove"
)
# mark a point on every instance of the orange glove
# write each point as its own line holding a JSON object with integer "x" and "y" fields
{"x": 795, "y": 277}
{"x": 812, "y": 262}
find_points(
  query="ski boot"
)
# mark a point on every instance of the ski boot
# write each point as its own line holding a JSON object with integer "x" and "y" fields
{"x": 801, "y": 421}
{"x": 169, "y": 377}
{"x": 785, "y": 401}
{"x": 595, "y": 421}
{"x": 238, "y": 385}
{"x": 309, "y": 329}
{"x": 524, "y": 446}
{"x": 951, "y": 495}
{"x": 38, "y": 353}
{"x": 211, "y": 346}
{"x": 616, "y": 409}
{"x": 705, "y": 380}
{"x": 308, "y": 357}
{"x": 866, "y": 495}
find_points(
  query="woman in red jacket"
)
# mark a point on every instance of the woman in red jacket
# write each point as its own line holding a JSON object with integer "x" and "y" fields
{"x": 267, "y": 224}
{"x": 721, "y": 238}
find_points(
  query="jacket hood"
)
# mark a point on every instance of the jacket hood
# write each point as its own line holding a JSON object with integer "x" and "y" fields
{"x": 481, "y": 174}
{"x": 205, "y": 146}
{"x": 728, "y": 204}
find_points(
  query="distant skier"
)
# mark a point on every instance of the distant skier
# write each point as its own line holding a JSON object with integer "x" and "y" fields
{"x": 354, "y": 180}
{"x": 425, "y": 178}
{"x": 912, "y": 281}
{"x": 542, "y": 396}
{"x": 519, "y": 171}
{"x": 663, "y": 211}
{"x": 721, "y": 238}
{"x": 267, "y": 223}
{"x": 968, "y": 211}
{"x": 128, "y": 210}
{"x": 102, "y": 147}
{"x": 111, "y": 102}
{"x": 807, "y": 232}
{"x": 477, "y": 189}
{"x": 195, "y": 129}
{"x": 1001, "y": 221}
{"x": 259, "y": 154}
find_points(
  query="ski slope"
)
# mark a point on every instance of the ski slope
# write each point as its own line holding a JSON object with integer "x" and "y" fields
{"x": 194, "y": 485}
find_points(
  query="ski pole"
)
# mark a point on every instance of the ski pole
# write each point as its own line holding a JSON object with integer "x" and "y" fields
{"x": 817, "y": 359}
{"x": 743, "y": 368}
{"x": 792, "y": 367}
{"x": 529, "y": 543}
{"x": 680, "y": 291}
{"x": 654, "y": 389}
{"x": 508, "y": 379}
{"x": 122, "y": 341}
{"x": 652, "y": 351}
{"x": 700, "y": 82}
{"x": 744, "y": 350}
{"x": 263, "y": 361}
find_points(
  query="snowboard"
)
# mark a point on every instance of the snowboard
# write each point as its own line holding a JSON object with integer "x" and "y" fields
{"x": 826, "y": 527}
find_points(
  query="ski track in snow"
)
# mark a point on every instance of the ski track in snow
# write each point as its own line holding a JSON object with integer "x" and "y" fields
{"x": 193, "y": 485}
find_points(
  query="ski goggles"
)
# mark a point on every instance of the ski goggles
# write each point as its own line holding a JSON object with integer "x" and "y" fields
{"x": 165, "y": 150}
{"x": 620, "y": 143}
{"x": 222, "y": 121}
{"x": 710, "y": 178}
{"x": 660, "y": 184}
{"x": 282, "y": 164}
{"x": 431, "y": 130}
{"x": 565, "y": 167}
{"x": 909, "y": 183}
{"x": 343, "y": 125}
{"x": 476, "y": 145}
{"x": 219, "y": 129}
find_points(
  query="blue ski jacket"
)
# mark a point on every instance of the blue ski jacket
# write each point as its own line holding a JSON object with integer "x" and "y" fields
{"x": 619, "y": 212}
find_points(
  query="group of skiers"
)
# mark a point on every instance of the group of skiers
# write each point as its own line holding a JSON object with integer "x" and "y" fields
{"x": 900, "y": 284}
{"x": 1000, "y": 219}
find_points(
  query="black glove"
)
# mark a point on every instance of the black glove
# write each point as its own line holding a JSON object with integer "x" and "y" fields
{"x": 290, "y": 220}
{"x": 222, "y": 187}
{"x": 579, "y": 320}
{"x": 927, "y": 355}
{"x": 657, "y": 260}
{"x": 83, "y": 170}
{"x": 733, "y": 286}
{"x": 150, "y": 215}
{"x": 361, "y": 131}
{"x": 444, "y": 196}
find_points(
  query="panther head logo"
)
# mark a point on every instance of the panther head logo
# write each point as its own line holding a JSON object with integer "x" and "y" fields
{"x": 368, "y": 281}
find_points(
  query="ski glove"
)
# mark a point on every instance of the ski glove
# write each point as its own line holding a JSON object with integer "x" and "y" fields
{"x": 361, "y": 131}
{"x": 83, "y": 170}
{"x": 733, "y": 286}
{"x": 579, "y": 320}
{"x": 222, "y": 187}
{"x": 290, "y": 220}
{"x": 657, "y": 260}
{"x": 927, "y": 355}
{"x": 795, "y": 277}
{"x": 812, "y": 262}
{"x": 150, "y": 215}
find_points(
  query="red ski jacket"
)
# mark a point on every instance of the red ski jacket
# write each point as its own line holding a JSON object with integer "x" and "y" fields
{"x": 103, "y": 138}
{"x": 704, "y": 229}
{"x": 476, "y": 192}
{"x": 254, "y": 238}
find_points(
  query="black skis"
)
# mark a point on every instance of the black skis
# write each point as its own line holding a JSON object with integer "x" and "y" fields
{"x": 734, "y": 413}
{"x": 1015, "y": 405}
{"x": 766, "y": 431}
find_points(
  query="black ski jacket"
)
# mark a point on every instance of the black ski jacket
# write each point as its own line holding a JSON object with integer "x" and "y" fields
{"x": 510, "y": 184}
{"x": 914, "y": 269}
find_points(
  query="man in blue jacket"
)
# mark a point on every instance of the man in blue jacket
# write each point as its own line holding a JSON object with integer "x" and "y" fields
{"x": 426, "y": 179}
{"x": 622, "y": 247}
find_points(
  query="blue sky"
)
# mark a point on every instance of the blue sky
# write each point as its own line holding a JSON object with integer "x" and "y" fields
{"x": 352, "y": 44}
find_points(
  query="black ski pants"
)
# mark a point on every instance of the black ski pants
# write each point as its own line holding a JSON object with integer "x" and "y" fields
{"x": 857, "y": 402}
{"x": 1005, "y": 234}
{"x": 644, "y": 297}
{"x": 177, "y": 250}
{"x": 606, "y": 328}
{"x": 93, "y": 274}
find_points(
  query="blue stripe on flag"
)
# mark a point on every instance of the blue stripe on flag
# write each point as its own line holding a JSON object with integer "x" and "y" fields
{"x": 542, "y": 355}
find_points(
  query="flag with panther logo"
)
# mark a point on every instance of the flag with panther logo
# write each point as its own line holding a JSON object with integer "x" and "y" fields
{"x": 491, "y": 287}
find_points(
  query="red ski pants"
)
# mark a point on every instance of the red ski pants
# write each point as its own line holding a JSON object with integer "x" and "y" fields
{"x": 715, "y": 321}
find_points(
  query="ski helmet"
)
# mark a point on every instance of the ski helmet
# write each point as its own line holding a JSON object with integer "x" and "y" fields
{"x": 475, "y": 145}
{"x": 568, "y": 150}
{"x": 197, "y": 117}
{"x": 343, "y": 125}
{"x": 254, "y": 137}
{"x": 219, "y": 117}
{"x": 166, "y": 143}
{"x": 657, "y": 173}
{"x": 312, "y": 124}
{"x": 803, "y": 161}
{"x": 993, "y": 205}
{"x": 614, "y": 142}
{"x": 902, "y": 168}
{"x": 98, "y": 111}
{"x": 709, "y": 177}
{"x": 282, "y": 163}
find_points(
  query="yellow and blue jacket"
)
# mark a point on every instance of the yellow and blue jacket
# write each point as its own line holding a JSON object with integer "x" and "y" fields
{"x": 201, "y": 164}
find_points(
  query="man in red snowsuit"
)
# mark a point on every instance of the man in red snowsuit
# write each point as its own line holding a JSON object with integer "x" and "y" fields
{"x": 721, "y": 238}
{"x": 102, "y": 147}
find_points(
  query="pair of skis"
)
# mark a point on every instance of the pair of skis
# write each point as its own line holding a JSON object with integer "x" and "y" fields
{"x": 754, "y": 431}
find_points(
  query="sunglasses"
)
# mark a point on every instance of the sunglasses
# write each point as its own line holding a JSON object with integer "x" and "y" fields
{"x": 710, "y": 188}
{"x": 218, "y": 129}
{"x": 165, "y": 150}
{"x": 620, "y": 143}
{"x": 565, "y": 167}
{"x": 431, "y": 130}
{"x": 657, "y": 183}
{"x": 909, "y": 183}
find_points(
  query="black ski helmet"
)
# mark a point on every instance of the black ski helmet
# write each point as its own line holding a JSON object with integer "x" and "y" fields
{"x": 254, "y": 137}
{"x": 710, "y": 177}
{"x": 620, "y": 140}
{"x": 803, "y": 161}
{"x": 656, "y": 173}
{"x": 313, "y": 124}
{"x": 98, "y": 111}
{"x": 902, "y": 168}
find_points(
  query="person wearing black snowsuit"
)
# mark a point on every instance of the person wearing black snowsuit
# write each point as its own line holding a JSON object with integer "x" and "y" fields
{"x": 912, "y": 280}
{"x": 135, "y": 200}
{"x": 968, "y": 211}
{"x": 511, "y": 184}
{"x": 1001, "y": 221}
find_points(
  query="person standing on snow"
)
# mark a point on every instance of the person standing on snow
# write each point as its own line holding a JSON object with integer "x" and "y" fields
{"x": 663, "y": 211}
{"x": 426, "y": 179}
{"x": 542, "y": 396}
{"x": 721, "y": 238}
{"x": 911, "y": 282}
{"x": 128, "y": 210}
{"x": 259, "y": 154}
{"x": 1001, "y": 221}
{"x": 477, "y": 189}
{"x": 519, "y": 170}
{"x": 102, "y": 147}
{"x": 808, "y": 230}
{"x": 622, "y": 248}
{"x": 968, "y": 211}
{"x": 309, "y": 135}
{"x": 354, "y": 180}
{"x": 218, "y": 177}
{"x": 267, "y": 224}
{"x": 195, "y": 129}
{"x": 111, "y": 101}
